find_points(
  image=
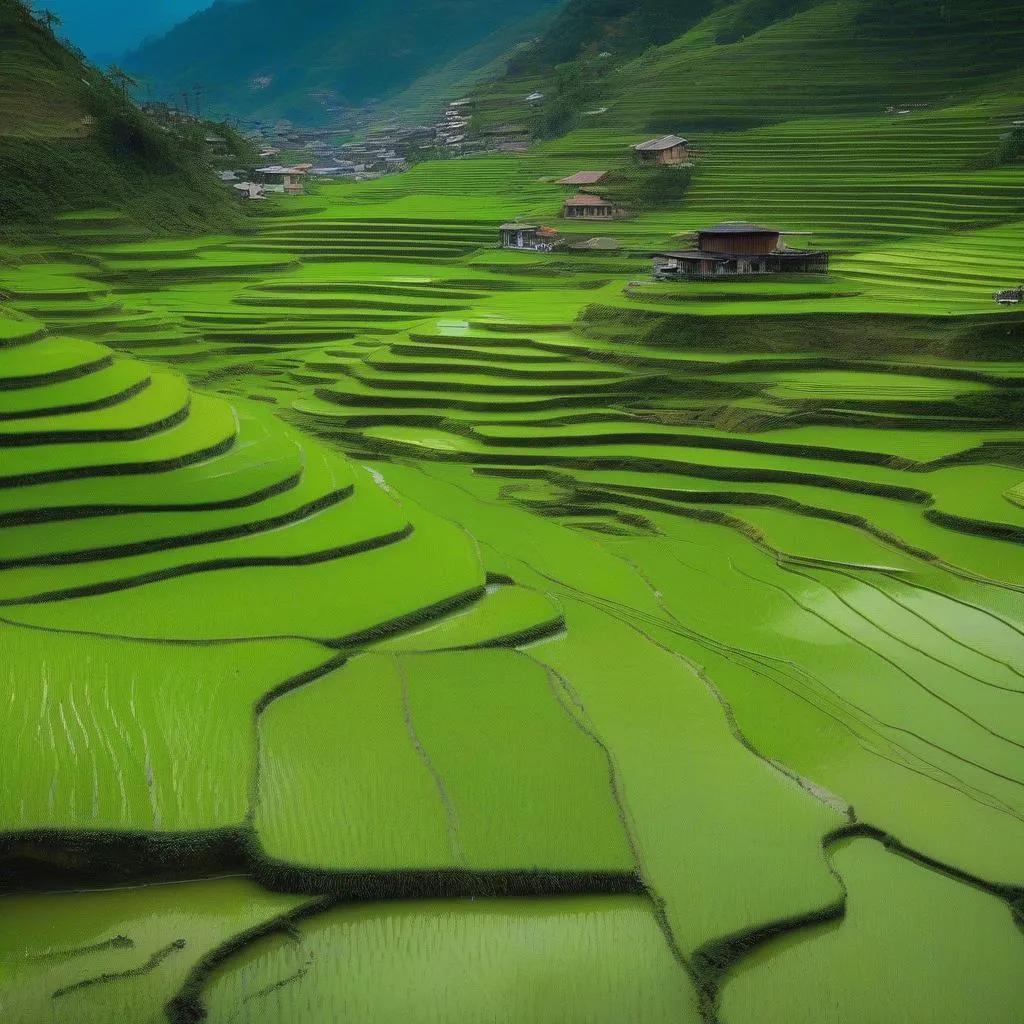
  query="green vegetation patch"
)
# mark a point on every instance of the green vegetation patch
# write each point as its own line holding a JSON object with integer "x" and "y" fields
{"x": 106, "y": 734}
{"x": 89, "y": 956}
{"x": 546, "y": 961}
{"x": 425, "y": 748}
{"x": 870, "y": 966}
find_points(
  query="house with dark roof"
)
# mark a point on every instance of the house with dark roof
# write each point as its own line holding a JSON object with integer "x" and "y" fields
{"x": 737, "y": 248}
{"x": 589, "y": 207}
{"x": 669, "y": 149}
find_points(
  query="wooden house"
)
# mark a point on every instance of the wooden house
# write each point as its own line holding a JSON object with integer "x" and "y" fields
{"x": 531, "y": 237}
{"x": 588, "y": 207}
{"x": 734, "y": 249}
{"x": 669, "y": 149}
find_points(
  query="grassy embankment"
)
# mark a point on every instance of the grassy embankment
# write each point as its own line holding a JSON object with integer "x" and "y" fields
{"x": 71, "y": 141}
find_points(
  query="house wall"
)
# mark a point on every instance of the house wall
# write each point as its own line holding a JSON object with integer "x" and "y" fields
{"x": 746, "y": 265}
{"x": 510, "y": 239}
{"x": 589, "y": 212}
{"x": 675, "y": 155}
{"x": 747, "y": 245}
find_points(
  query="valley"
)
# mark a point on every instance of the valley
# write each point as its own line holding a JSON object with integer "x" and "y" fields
{"x": 397, "y": 625}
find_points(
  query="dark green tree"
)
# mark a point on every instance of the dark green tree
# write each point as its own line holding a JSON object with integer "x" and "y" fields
{"x": 121, "y": 80}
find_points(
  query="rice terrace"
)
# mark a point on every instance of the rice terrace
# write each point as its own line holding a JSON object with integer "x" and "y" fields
{"x": 512, "y": 514}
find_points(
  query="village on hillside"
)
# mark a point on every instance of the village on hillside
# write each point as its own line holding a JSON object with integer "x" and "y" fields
{"x": 376, "y": 151}
{"x": 728, "y": 249}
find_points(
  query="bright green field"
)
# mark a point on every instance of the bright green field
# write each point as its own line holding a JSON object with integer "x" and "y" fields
{"x": 396, "y": 628}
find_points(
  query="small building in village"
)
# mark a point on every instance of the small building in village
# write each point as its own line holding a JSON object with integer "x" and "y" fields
{"x": 588, "y": 207}
{"x": 583, "y": 178}
{"x": 281, "y": 179}
{"x": 669, "y": 149}
{"x": 532, "y": 237}
{"x": 737, "y": 248}
{"x": 1009, "y": 296}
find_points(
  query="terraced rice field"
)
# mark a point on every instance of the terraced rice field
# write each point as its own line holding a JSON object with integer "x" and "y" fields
{"x": 414, "y": 611}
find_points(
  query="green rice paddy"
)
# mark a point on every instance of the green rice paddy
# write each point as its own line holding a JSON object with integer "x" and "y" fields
{"x": 396, "y": 627}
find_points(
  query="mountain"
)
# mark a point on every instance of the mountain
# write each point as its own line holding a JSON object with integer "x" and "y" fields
{"x": 469, "y": 68}
{"x": 259, "y": 58}
{"x": 106, "y": 29}
{"x": 614, "y": 26}
{"x": 70, "y": 139}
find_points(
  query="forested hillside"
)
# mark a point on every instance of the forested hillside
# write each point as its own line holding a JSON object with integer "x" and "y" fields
{"x": 619, "y": 26}
{"x": 70, "y": 139}
{"x": 253, "y": 59}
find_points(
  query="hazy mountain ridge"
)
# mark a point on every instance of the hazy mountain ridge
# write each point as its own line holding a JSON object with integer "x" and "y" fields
{"x": 106, "y": 29}
{"x": 252, "y": 61}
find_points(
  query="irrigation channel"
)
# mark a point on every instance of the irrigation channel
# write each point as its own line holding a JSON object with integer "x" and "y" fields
{"x": 380, "y": 609}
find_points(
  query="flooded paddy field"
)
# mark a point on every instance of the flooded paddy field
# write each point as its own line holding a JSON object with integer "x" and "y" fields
{"x": 380, "y": 608}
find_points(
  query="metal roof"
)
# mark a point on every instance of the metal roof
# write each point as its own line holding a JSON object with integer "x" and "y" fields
{"x": 737, "y": 227}
{"x": 519, "y": 227}
{"x": 665, "y": 142}
{"x": 692, "y": 254}
{"x": 583, "y": 178}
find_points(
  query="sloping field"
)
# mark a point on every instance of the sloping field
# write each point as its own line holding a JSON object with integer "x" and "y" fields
{"x": 537, "y": 641}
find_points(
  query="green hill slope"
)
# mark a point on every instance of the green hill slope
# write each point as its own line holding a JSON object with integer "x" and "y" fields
{"x": 841, "y": 56}
{"x": 759, "y": 61}
{"x": 468, "y": 69}
{"x": 69, "y": 140}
